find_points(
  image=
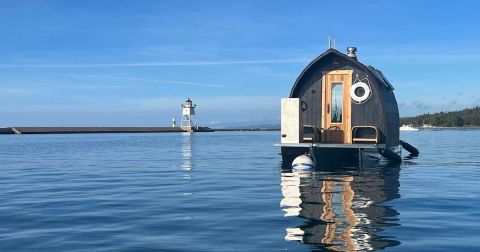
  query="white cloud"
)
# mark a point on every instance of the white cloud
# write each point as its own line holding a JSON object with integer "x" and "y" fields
{"x": 187, "y": 83}
{"x": 211, "y": 104}
{"x": 158, "y": 64}
{"x": 12, "y": 91}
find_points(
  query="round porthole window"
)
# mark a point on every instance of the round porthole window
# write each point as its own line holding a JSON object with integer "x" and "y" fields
{"x": 303, "y": 105}
{"x": 360, "y": 92}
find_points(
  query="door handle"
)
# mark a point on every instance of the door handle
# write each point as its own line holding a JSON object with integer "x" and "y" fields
{"x": 328, "y": 108}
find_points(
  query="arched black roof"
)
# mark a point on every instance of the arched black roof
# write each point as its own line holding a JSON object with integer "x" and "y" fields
{"x": 370, "y": 70}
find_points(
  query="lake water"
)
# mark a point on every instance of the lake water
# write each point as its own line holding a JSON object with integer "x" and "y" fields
{"x": 226, "y": 191}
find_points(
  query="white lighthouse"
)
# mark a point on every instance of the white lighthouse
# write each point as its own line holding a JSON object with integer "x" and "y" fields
{"x": 188, "y": 115}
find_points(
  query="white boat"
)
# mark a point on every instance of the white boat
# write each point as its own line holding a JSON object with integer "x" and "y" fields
{"x": 408, "y": 128}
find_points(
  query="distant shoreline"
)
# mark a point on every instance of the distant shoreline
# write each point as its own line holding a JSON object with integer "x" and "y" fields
{"x": 99, "y": 130}
{"x": 448, "y": 128}
{"x": 467, "y": 117}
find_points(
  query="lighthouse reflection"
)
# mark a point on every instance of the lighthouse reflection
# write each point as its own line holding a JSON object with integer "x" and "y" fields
{"x": 343, "y": 210}
{"x": 186, "y": 151}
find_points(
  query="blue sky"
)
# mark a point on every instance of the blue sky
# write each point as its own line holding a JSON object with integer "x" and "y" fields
{"x": 134, "y": 62}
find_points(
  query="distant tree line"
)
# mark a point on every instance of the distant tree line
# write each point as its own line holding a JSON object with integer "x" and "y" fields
{"x": 466, "y": 117}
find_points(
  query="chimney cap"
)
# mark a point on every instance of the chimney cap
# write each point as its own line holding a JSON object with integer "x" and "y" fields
{"x": 352, "y": 52}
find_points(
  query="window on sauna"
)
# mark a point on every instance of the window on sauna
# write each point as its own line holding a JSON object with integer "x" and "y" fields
{"x": 337, "y": 103}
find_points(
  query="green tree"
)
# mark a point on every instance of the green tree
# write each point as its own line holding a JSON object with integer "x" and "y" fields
{"x": 459, "y": 122}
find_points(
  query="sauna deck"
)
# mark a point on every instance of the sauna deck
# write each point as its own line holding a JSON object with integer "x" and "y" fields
{"x": 330, "y": 145}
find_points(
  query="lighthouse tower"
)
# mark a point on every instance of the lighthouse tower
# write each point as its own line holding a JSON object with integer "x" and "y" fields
{"x": 188, "y": 115}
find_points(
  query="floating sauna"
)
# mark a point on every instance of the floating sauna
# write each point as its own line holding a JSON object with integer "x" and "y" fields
{"x": 340, "y": 109}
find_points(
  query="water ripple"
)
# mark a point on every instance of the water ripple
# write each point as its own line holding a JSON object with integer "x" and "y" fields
{"x": 227, "y": 192}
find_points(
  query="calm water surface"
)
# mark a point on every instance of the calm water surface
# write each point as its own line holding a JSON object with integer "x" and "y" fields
{"x": 226, "y": 191}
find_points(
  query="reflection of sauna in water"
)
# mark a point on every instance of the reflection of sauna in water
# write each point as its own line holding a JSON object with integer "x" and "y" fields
{"x": 342, "y": 210}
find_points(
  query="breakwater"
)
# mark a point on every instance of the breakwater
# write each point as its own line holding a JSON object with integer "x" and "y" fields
{"x": 6, "y": 131}
{"x": 81, "y": 130}
{"x": 77, "y": 130}
{"x": 247, "y": 129}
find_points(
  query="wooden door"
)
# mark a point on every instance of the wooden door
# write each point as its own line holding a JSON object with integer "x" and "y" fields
{"x": 336, "y": 114}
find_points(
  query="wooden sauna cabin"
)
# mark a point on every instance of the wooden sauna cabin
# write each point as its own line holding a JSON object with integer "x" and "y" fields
{"x": 340, "y": 110}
